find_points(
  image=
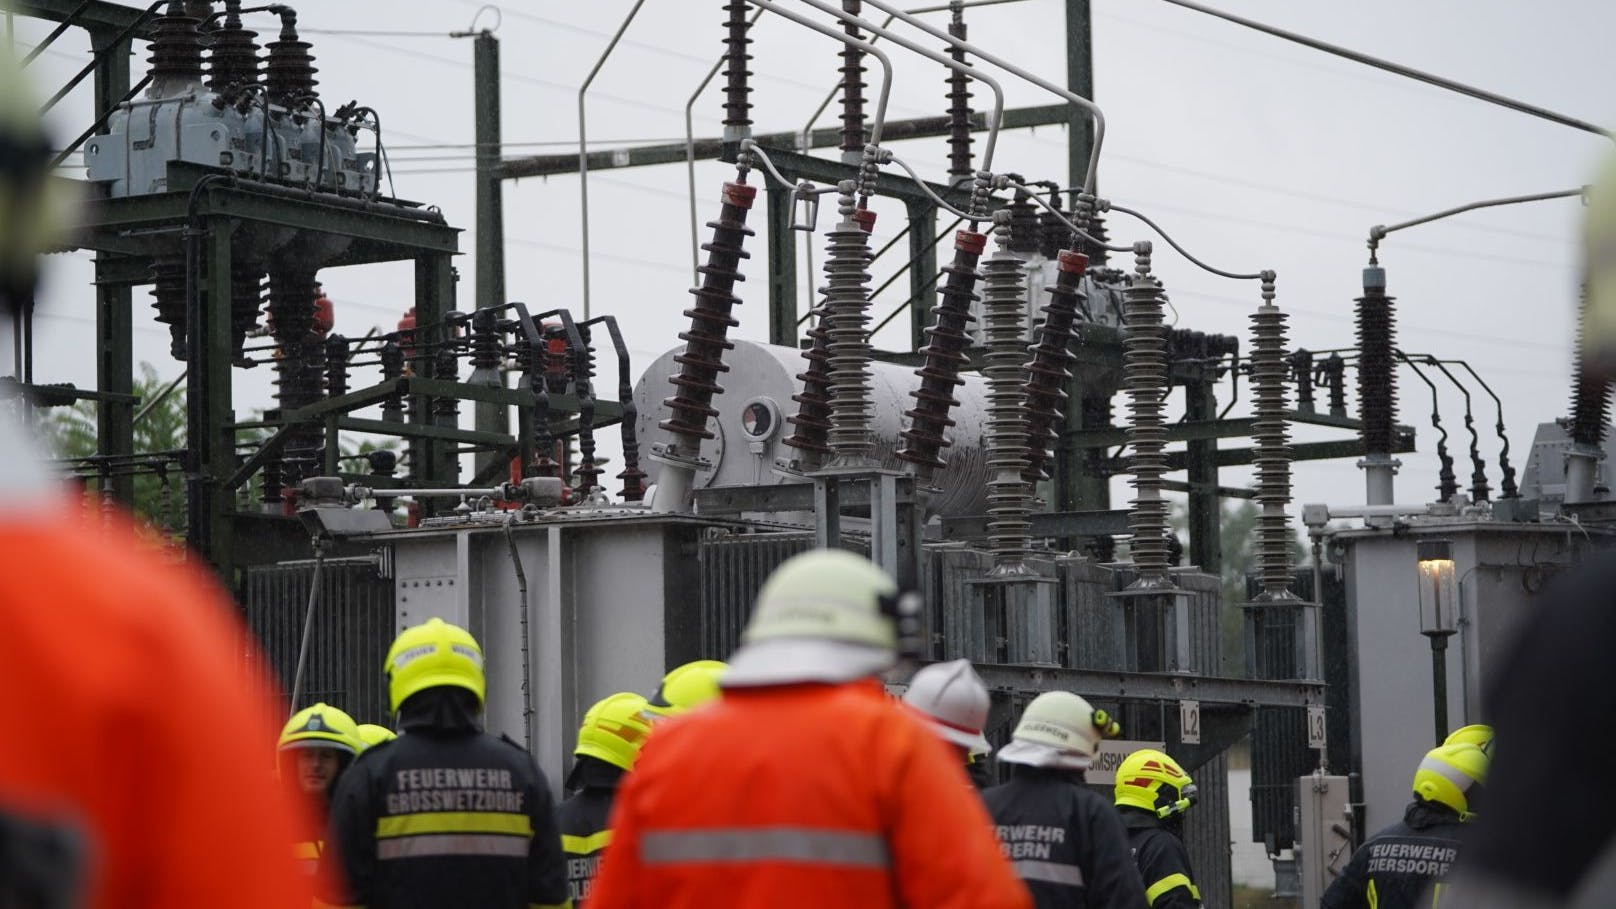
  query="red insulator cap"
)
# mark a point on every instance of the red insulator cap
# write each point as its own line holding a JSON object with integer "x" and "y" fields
{"x": 865, "y": 219}
{"x": 970, "y": 241}
{"x": 739, "y": 195}
{"x": 1073, "y": 261}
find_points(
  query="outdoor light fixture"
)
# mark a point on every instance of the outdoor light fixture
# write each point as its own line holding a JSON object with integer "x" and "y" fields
{"x": 1439, "y": 601}
{"x": 1439, "y": 618}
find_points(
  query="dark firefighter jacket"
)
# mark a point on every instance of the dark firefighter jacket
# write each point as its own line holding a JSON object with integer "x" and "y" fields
{"x": 446, "y": 816}
{"x": 584, "y": 819}
{"x": 1395, "y": 868}
{"x": 1164, "y": 863}
{"x": 1065, "y": 841}
{"x": 978, "y": 771}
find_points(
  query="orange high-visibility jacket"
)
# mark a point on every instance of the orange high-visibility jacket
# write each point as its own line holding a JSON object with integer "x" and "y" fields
{"x": 136, "y": 750}
{"x": 801, "y": 796}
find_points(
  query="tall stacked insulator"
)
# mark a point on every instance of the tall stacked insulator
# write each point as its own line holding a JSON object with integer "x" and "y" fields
{"x": 1377, "y": 384}
{"x": 959, "y": 101}
{"x": 1094, "y": 249}
{"x": 1026, "y": 237}
{"x": 1271, "y": 436}
{"x": 705, "y": 342}
{"x": 337, "y": 354}
{"x": 1590, "y": 412}
{"x": 852, "y": 86}
{"x": 583, "y": 378}
{"x": 392, "y": 365}
{"x": 176, "y": 48}
{"x": 847, "y": 302}
{"x": 946, "y": 341}
{"x": 246, "y": 298}
{"x": 811, "y": 435}
{"x": 737, "y": 72}
{"x": 1048, "y": 373}
{"x": 297, "y": 377}
{"x": 168, "y": 299}
{"x": 1145, "y": 380}
{"x": 631, "y": 475}
{"x": 233, "y": 53}
{"x": 1004, "y": 296}
{"x": 1053, "y": 236}
{"x": 289, "y": 71}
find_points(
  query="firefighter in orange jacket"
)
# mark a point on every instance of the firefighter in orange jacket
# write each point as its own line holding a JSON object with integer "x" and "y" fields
{"x": 132, "y": 766}
{"x": 816, "y": 788}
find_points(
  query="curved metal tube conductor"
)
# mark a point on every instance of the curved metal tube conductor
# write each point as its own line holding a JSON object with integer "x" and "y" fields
{"x": 915, "y": 178}
{"x": 1106, "y": 205}
{"x": 843, "y": 37}
{"x": 1478, "y": 467}
{"x": 1507, "y": 487}
{"x": 943, "y": 8}
{"x": 750, "y": 147}
{"x": 1445, "y": 476}
{"x": 583, "y": 141}
{"x": 1059, "y": 215}
{"x": 935, "y": 56}
{"x": 1379, "y": 231}
{"x": 1408, "y": 72}
{"x": 1074, "y": 98}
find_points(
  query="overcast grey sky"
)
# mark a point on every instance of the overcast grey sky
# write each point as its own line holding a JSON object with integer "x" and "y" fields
{"x": 1255, "y": 153}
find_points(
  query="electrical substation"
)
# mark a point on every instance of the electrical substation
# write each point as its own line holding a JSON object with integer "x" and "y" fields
{"x": 973, "y": 464}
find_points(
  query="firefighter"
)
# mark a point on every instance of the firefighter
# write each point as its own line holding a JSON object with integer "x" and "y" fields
{"x": 316, "y": 746}
{"x": 1397, "y": 867}
{"x": 445, "y": 815}
{"x": 952, "y": 699}
{"x": 610, "y": 738}
{"x": 372, "y": 734}
{"x": 805, "y": 785}
{"x": 1063, "y": 838}
{"x": 685, "y": 688}
{"x": 1152, "y": 792}
{"x": 132, "y": 769}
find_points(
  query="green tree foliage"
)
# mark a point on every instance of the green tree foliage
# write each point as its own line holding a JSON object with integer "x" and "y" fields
{"x": 70, "y": 433}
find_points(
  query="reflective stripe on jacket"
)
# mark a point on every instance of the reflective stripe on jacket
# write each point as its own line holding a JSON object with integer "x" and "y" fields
{"x": 1065, "y": 841}
{"x": 1163, "y": 861}
{"x": 1398, "y": 865}
{"x": 801, "y": 796}
{"x": 428, "y": 821}
{"x": 584, "y": 820}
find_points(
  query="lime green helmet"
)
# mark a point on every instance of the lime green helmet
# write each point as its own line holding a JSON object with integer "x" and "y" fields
{"x": 1150, "y": 780}
{"x": 823, "y": 616}
{"x": 1476, "y": 734}
{"x": 373, "y": 735}
{"x": 1452, "y": 775}
{"x": 685, "y": 688}
{"x": 430, "y": 655}
{"x": 614, "y": 729}
{"x": 321, "y": 726}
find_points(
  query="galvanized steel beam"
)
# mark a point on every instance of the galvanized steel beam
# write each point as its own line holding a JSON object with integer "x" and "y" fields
{"x": 705, "y": 149}
{"x": 1152, "y": 686}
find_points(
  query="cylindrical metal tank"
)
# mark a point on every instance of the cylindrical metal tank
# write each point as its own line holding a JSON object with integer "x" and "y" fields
{"x": 750, "y": 429}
